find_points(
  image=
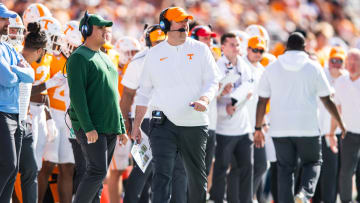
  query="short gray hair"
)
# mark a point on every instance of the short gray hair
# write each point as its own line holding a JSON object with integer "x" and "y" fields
{"x": 354, "y": 51}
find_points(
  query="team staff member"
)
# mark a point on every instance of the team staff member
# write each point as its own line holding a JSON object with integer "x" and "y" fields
{"x": 294, "y": 125}
{"x": 180, "y": 77}
{"x": 328, "y": 182}
{"x": 13, "y": 70}
{"x": 94, "y": 110}
{"x": 255, "y": 51}
{"x": 232, "y": 130}
{"x": 347, "y": 98}
{"x": 137, "y": 186}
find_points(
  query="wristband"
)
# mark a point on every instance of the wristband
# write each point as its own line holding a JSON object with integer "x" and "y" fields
{"x": 257, "y": 128}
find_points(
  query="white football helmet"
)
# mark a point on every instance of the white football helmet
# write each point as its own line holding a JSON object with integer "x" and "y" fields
{"x": 127, "y": 48}
{"x": 258, "y": 30}
{"x": 72, "y": 39}
{"x": 52, "y": 28}
{"x": 35, "y": 11}
{"x": 243, "y": 37}
{"x": 16, "y": 31}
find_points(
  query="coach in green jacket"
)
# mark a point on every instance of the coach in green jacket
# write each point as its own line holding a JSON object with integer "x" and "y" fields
{"x": 94, "y": 111}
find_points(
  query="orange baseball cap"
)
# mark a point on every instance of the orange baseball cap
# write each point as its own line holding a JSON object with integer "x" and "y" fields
{"x": 157, "y": 35}
{"x": 256, "y": 42}
{"x": 177, "y": 14}
{"x": 337, "y": 52}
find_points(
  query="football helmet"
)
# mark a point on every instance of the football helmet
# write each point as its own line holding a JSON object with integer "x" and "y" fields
{"x": 35, "y": 11}
{"x": 127, "y": 48}
{"x": 52, "y": 28}
{"x": 72, "y": 38}
{"x": 16, "y": 31}
{"x": 243, "y": 37}
{"x": 258, "y": 30}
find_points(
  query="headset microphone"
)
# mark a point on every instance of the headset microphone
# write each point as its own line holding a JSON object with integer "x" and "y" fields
{"x": 178, "y": 30}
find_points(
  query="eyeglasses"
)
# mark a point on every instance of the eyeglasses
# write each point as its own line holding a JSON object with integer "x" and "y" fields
{"x": 261, "y": 51}
{"x": 336, "y": 61}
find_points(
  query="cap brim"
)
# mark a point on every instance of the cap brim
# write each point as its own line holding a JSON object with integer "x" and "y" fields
{"x": 183, "y": 17}
{"x": 211, "y": 34}
{"x": 8, "y": 14}
{"x": 338, "y": 56}
{"x": 104, "y": 23}
{"x": 258, "y": 46}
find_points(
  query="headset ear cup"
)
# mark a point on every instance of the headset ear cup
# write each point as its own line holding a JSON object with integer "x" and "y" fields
{"x": 86, "y": 30}
{"x": 193, "y": 33}
{"x": 163, "y": 22}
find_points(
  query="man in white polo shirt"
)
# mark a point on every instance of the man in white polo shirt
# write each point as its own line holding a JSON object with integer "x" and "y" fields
{"x": 293, "y": 83}
{"x": 180, "y": 78}
{"x": 347, "y": 98}
{"x": 232, "y": 130}
{"x": 255, "y": 51}
{"x": 327, "y": 188}
{"x": 137, "y": 186}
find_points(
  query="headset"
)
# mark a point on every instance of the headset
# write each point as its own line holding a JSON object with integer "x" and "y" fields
{"x": 86, "y": 29}
{"x": 196, "y": 29}
{"x": 148, "y": 30}
{"x": 163, "y": 22}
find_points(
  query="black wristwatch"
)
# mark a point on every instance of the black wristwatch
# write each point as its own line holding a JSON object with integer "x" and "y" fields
{"x": 257, "y": 128}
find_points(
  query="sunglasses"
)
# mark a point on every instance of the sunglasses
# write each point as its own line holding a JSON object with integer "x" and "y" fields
{"x": 336, "y": 61}
{"x": 261, "y": 51}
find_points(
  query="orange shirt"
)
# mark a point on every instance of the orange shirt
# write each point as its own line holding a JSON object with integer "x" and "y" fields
{"x": 56, "y": 94}
{"x": 121, "y": 72}
{"x": 42, "y": 70}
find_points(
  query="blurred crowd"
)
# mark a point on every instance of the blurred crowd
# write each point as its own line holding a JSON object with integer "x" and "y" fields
{"x": 334, "y": 19}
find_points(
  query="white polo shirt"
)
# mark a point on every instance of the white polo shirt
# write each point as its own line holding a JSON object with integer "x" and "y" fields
{"x": 324, "y": 115}
{"x": 133, "y": 72}
{"x": 293, "y": 83}
{"x": 176, "y": 76}
{"x": 132, "y": 76}
{"x": 347, "y": 95}
{"x": 239, "y": 122}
